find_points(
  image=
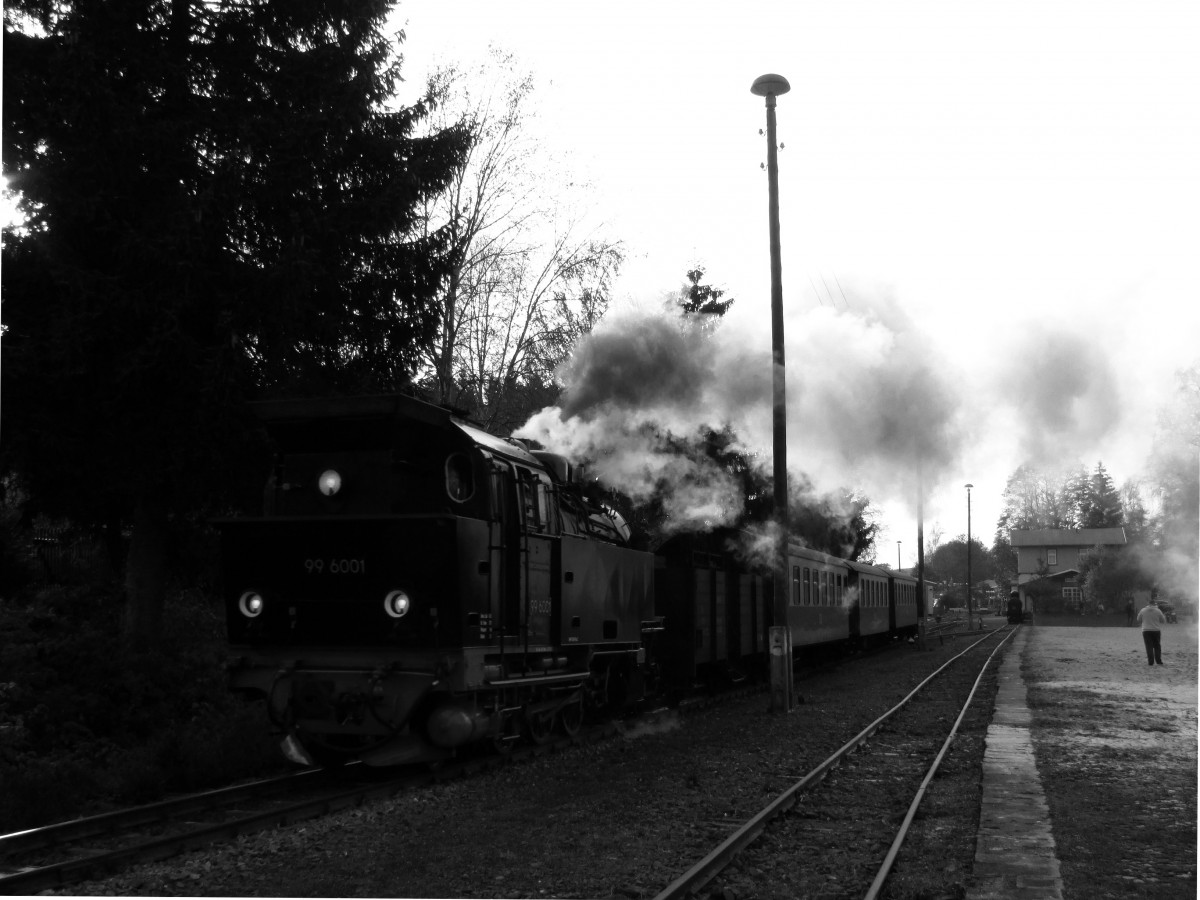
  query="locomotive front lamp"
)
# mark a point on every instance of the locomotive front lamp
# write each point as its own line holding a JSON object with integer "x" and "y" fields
{"x": 250, "y": 604}
{"x": 330, "y": 482}
{"x": 396, "y": 604}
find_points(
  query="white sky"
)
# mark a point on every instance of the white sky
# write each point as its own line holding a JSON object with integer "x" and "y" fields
{"x": 1000, "y": 173}
{"x": 1003, "y": 177}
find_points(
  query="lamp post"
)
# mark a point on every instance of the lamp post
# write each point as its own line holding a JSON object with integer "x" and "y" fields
{"x": 970, "y": 607}
{"x": 898, "y": 565}
{"x": 770, "y": 87}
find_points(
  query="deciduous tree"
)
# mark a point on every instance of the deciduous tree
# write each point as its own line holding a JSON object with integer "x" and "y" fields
{"x": 529, "y": 278}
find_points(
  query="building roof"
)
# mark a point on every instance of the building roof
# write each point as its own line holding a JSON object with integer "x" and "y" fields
{"x": 1065, "y": 573}
{"x": 1067, "y": 537}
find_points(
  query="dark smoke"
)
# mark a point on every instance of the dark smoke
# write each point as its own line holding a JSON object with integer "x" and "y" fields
{"x": 866, "y": 407}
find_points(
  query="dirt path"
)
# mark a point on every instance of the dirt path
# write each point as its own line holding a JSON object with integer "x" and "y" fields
{"x": 1116, "y": 747}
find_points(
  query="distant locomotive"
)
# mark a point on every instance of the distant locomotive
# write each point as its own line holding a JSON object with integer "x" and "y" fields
{"x": 417, "y": 586}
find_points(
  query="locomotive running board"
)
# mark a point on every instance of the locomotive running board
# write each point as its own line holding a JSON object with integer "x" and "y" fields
{"x": 527, "y": 680}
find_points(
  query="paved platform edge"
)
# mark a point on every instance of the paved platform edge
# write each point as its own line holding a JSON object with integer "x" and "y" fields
{"x": 1015, "y": 855}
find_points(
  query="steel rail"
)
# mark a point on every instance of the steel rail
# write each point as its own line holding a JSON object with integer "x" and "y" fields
{"x": 902, "y": 833}
{"x": 332, "y": 800}
{"x": 71, "y": 870}
{"x": 49, "y": 836}
{"x": 703, "y": 871}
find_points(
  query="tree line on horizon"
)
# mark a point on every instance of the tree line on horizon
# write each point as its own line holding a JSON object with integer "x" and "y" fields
{"x": 1161, "y": 552}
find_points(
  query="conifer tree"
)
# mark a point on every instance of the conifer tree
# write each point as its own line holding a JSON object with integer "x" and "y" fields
{"x": 702, "y": 299}
{"x": 1100, "y": 503}
{"x": 219, "y": 201}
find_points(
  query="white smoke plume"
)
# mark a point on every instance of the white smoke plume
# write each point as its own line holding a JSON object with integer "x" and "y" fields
{"x": 867, "y": 406}
{"x": 1067, "y": 394}
{"x": 635, "y": 400}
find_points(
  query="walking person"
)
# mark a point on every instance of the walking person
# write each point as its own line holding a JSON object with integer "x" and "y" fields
{"x": 1152, "y": 620}
{"x": 1129, "y": 616}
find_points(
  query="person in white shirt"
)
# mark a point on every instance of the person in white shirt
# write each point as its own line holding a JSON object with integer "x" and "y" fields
{"x": 1152, "y": 620}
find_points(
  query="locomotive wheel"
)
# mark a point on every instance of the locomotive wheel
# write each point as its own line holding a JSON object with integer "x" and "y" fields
{"x": 539, "y": 726}
{"x": 570, "y": 718}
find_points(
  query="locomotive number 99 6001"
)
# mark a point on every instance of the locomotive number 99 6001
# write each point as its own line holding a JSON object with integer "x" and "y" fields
{"x": 320, "y": 566}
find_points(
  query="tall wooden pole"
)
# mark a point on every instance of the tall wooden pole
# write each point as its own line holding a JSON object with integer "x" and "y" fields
{"x": 782, "y": 683}
{"x": 970, "y": 605}
{"x": 922, "y": 610}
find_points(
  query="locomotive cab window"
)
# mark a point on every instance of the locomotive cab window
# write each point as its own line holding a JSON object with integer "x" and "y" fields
{"x": 460, "y": 477}
{"x": 535, "y": 502}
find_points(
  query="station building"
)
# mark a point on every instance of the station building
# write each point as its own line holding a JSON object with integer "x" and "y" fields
{"x": 1054, "y": 554}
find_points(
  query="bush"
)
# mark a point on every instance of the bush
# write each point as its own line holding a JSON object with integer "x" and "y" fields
{"x": 85, "y": 722}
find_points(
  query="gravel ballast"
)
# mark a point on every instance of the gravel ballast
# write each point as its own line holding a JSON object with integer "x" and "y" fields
{"x": 621, "y": 818}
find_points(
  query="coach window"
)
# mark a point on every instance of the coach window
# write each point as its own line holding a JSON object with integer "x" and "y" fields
{"x": 824, "y": 588}
{"x": 807, "y": 590}
{"x": 460, "y": 480}
{"x": 795, "y": 598}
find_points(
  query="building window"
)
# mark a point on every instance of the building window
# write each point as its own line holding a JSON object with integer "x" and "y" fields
{"x": 1072, "y": 595}
{"x": 1052, "y": 557}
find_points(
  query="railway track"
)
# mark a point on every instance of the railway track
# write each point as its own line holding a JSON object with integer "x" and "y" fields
{"x": 53, "y": 856}
{"x": 865, "y": 793}
{"x": 59, "y": 855}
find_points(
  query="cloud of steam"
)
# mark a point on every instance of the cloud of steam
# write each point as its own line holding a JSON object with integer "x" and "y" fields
{"x": 1066, "y": 392}
{"x": 870, "y": 405}
{"x": 866, "y": 406}
{"x": 635, "y": 402}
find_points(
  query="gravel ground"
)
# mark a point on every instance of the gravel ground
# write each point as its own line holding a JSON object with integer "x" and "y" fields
{"x": 625, "y": 817}
{"x": 622, "y": 818}
{"x": 1115, "y": 742}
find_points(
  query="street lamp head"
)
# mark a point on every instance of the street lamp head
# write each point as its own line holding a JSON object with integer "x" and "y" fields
{"x": 969, "y": 486}
{"x": 770, "y": 86}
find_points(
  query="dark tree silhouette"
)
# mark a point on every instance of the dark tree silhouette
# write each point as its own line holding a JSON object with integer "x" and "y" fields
{"x": 218, "y": 201}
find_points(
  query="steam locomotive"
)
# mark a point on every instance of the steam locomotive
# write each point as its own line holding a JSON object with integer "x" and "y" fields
{"x": 417, "y": 586}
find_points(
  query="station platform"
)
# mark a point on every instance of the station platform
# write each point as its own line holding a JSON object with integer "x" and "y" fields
{"x": 1015, "y": 854}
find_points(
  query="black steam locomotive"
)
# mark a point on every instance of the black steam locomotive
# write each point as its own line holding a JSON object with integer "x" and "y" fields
{"x": 417, "y": 586}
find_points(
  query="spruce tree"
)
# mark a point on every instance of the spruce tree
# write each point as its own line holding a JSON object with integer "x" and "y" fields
{"x": 220, "y": 202}
{"x": 1104, "y": 509}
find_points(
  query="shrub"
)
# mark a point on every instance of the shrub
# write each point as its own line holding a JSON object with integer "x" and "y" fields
{"x": 85, "y": 722}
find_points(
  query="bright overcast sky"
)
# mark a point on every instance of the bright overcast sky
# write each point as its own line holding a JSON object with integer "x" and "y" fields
{"x": 1011, "y": 188}
{"x": 1016, "y": 182}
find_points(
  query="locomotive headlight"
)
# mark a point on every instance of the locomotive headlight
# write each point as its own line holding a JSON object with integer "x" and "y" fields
{"x": 251, "y": 604}
{"x": 330, "y": 482}
{"x": 396, "y": 604}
